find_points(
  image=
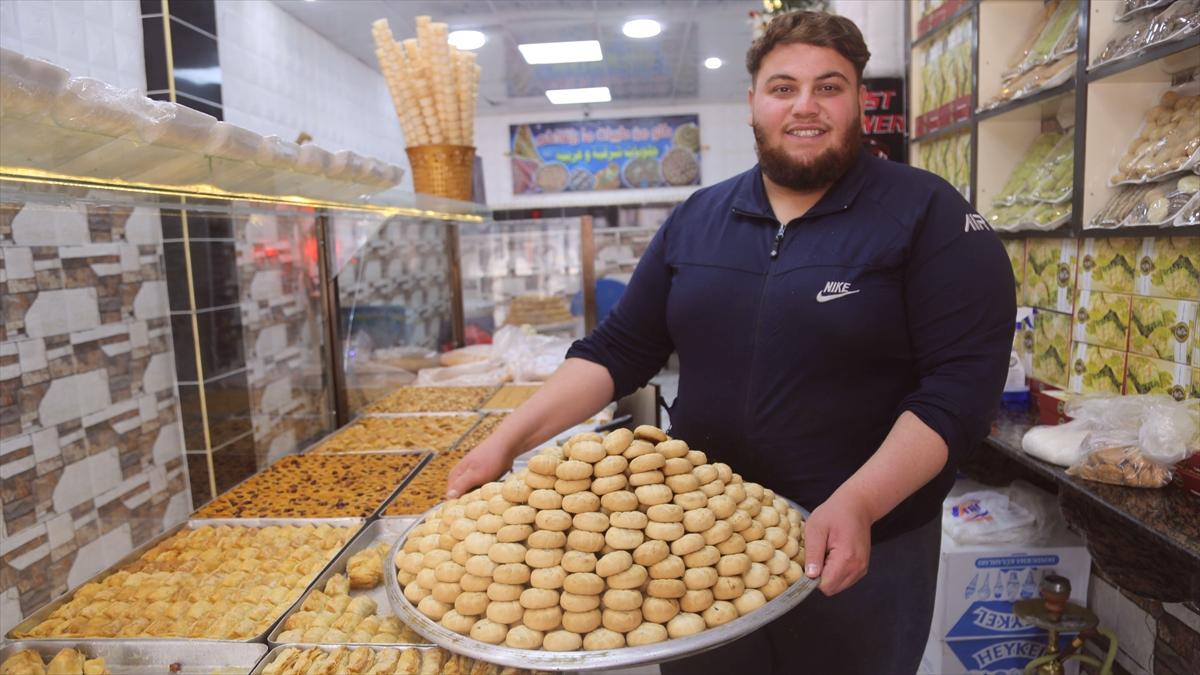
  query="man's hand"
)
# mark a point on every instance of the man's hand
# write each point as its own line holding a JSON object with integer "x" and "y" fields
{"x": 488, "y": 461}
{"x": 837, "y": 542}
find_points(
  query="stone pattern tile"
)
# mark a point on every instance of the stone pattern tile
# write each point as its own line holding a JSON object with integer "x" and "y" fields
{"x": 1155, "y": 638}
{"x": 283, "y": 329}
{"x": 91, "y": 456}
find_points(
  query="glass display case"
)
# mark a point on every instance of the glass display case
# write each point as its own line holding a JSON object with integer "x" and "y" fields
{"x": 524, "y": 273}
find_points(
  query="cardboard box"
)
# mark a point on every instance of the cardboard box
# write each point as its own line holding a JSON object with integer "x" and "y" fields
{"x": 1102, "y": 319}
{"x": 987, "y": 656}
{"x": 1096, "y": 370}
{"x": 1023, "y": 338}
{"x": 1169, "y": 267}
{"x": 1163, "y": 328}
{"x": 1016, "y": 257}
{"x": 1108, "y": 264}
{"x": 1050, "y": 274}
{"x": 1144, "y": 375}
{"x": 1051, "y": 348}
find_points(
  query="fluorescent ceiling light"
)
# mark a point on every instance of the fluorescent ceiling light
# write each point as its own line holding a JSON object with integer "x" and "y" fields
{"x": 561, "y": 52}
{"x": 641, "y": 28}
{"x": 712, "y": 63}
{"x": 466, "y": 40}
{"x": 584, "y": 95}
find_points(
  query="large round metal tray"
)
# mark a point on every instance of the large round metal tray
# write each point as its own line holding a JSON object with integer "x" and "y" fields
{"x": 538, "y": 659}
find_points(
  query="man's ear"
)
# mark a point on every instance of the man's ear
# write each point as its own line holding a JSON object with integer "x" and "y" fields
{"x": 750, "y": 106}
{"x": 862, "y": 99}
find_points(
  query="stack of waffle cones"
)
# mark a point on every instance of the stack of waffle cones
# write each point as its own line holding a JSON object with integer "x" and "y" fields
{"x": 433, "y": 86}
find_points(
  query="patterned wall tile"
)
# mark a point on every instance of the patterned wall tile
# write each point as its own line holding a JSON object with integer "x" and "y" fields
{"x": 90, "y": 450}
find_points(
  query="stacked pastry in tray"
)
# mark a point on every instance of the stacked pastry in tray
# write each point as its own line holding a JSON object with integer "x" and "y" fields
{"x": 221, "y": 582}
{"x": 332, "y": 615}
{"x": 609, "y": 541}
{"x": 429, "y": 486}
{"x": 376, "y": 661}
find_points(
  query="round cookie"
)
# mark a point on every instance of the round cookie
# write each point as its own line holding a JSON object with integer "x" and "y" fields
{"x": 590, "y": 522}
{"x": 646, "y": 634}
{"x": 544, "y": 618}
{"x": 757, "y": 576}
{"x": 519, "y": 514}
{"x": 749, "y": 601}
{"x": 651, "y": 552}
{"x": 588, "y": 451}
{"x": 538, "y": 598}
{"x": 630, "y": 520}
{"x": 664, "y": 531}
{"x": 572, "y": 602}
{"x": 671, "y": 567}
{"x": 544, "y": 465}
{"x": 541, "y": 558}
{"x": 578, "y": 561}
{"x": 620, "y": 500}
{"x": 562, "y": 641}
{"x": 550, "y": 578}
{"x": 581, "y": 622}
{"x": 623, "y": 539}
{"x": 573, "y": 470}
{"x": 697, "y": 578}
{"x": 498, "y": 592}
{"x": 511, "y": 573}
{"x": 719, "y": 532}
{"x": 684, "y": 483}
{"x": 697, "y": 600}
{"x": 720, "y": 613}
{"x": 471, "y": 604}
{"x": 652, "y": 495}
{"x": 583, "y": 583}
{"x": 433, "y": 608}
{"x": 621, "y": 621}
{"x": 633, "y": 577}
{"x": 555, "y": 520}
{"x": 589, "y": 542}
{"x": 614, "y": 563}
{"x": 665, "y": 513}
{"x": 513, "y": 534}
{"x": 486, "y": 630}
{"x": 610, "y": 466}
{"x": 672, "y": 589}
{"x": 677, "y": 466}
{"x": 685, "y": 624}
{"x": 515, "y": 491}
{"x": 537, "y": 481}
{"x": 650, "y": 433}
{"x": 506, "y": 553}
{"x": 569, "y": 487}
{"x": 581, "y": 502}
{"x": 647, "y": 477}
{"x": 608, "y": 484}
{"x": 617, "y": 441}
{"x": 638, "y": 448}
{"x": 659, "y": 610}
{"x": 728, "y": 588}
{"x": 603, "y": 638}
{"x": 545, "y": 499}
{"x": 621, "y": 599}
{"x": 457, "y": 622}
{"x": 647, "y": 462}
{"x": 547, "y": 539}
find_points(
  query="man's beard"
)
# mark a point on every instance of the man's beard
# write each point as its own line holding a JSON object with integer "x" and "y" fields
{"x": 811, "y": 174}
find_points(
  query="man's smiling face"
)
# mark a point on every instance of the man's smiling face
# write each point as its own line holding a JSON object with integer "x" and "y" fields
{"x": 806, "y": 109}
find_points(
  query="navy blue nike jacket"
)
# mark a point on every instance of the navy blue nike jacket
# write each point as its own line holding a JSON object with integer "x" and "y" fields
{"x": 799, "y": 346}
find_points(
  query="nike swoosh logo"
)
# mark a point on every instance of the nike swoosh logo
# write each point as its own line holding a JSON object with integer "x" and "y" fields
{"x": 821, "y": 297}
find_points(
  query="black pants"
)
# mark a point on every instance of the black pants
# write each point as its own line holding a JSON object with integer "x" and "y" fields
{"x": 878, "y": 626}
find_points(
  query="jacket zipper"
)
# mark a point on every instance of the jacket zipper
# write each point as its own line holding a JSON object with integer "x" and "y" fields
{"x": 762, "y": 298}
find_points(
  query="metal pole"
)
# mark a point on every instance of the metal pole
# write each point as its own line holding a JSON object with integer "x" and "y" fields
{"x": 587, "y": 260}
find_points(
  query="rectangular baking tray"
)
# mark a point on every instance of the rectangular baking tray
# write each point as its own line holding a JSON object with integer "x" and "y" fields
{"x": 313, "y": 446}
{"x": 370, "y": 516}
{"x": 151, "y": 656}
{"x": 274, "y": 653}
{"x": 46, "y": 610}
{"x": 383, "y": 530}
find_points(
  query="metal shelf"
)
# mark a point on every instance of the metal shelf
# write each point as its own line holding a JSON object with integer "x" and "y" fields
{"x": 945, "y": 131}
{"x": 945, "y": 23}
{"x": 1036, "y": 97}
{"x": 1141, "y": 58}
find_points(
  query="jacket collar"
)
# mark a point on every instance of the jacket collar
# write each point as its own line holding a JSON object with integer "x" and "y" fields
{"x": 751, "y": 198}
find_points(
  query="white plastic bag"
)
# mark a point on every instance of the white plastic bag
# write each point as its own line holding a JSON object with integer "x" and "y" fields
{"x": 1059, "y": 444}
{"x": 492, "y": 372}
{"x": 987, "y": 517}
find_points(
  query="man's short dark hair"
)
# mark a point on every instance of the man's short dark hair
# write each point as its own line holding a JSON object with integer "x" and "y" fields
{"x": 818, "y": 29}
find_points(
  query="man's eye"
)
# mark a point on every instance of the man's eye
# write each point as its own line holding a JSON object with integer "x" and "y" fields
{"x": 782, "y": 89}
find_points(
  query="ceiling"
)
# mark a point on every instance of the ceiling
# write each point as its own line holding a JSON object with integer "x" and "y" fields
{"x": 655, "y": 71}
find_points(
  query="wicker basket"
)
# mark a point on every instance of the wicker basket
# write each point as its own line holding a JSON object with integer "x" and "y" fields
{"x": 442, "y": 170}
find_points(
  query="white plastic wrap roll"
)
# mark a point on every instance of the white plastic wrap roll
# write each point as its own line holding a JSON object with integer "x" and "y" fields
{"x": 276, "y": 153}
{"x": 313, "y": 160}
{"x": 176, "y": 126}
{"x": 230, "y": 141}
{"x": 345, "y": 165}
{"x": 28, "y": 87}
{"x": 87, "y": 104}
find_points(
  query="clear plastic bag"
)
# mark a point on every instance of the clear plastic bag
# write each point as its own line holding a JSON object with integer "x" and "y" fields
{"x": 1135, "y": 440}
{"x": 1159, "y": 205}
{"x": 1189, "y": 214}
{"x": 1168, "y": 140}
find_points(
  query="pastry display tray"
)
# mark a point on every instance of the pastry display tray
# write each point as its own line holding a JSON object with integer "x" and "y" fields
{"x": 46, "y": 610}
{"x": 152, "y": 656}
{"x": 385, "y": 530}
{"x": 624, "y": 657}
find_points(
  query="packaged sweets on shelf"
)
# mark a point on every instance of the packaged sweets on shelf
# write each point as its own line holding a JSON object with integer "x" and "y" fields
{"x": 1168, "y": 141}
{"x": 1176, "y": 22}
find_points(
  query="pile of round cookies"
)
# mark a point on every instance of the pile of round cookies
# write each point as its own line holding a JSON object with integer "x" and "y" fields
{"x": 609, "y": 541}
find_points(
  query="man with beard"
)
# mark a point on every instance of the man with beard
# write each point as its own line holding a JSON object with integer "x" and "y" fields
{"x": 843, "y": 325}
